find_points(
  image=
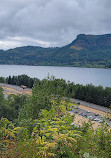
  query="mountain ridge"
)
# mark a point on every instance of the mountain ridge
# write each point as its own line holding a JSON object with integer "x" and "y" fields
{"x": 84, "y": 51}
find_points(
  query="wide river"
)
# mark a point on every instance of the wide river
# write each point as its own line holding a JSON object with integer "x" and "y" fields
{"x": 77, "y": 75}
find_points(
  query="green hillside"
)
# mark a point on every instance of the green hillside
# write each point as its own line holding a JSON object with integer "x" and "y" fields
{"x": 84, "y": 51}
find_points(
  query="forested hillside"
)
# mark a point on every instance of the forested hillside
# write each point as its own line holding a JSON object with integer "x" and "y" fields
{"x": 84, "y": 51}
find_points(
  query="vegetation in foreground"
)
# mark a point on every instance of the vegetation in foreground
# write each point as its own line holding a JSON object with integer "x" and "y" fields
{"x": 39, "y": 126}
{"x": 52, "y": 135}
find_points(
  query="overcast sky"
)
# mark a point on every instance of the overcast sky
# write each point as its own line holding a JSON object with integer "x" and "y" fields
{"x": 51, "y": 23}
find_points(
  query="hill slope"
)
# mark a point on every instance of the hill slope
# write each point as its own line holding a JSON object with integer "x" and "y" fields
{"x": 84, "y": 51}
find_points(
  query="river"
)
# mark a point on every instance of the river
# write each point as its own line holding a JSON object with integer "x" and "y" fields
{"x": 84, "y": 76}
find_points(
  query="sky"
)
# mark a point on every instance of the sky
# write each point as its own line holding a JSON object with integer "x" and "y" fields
{"x": 51, "y": 23}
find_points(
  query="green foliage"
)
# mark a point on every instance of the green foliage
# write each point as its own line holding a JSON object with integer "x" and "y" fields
{"x": 2, "y": 79}
{"x": 10, "y": 107}
{"x": 97, "y": 143}
{"x": 21, "y": 80}
{"x": 40, "y": 99}
{"x": 53, "y": 136}
{"x": 5, "y": 109}
{"x": 42, "y": 94}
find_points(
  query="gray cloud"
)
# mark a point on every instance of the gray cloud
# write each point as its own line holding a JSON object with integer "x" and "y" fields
{"x": 51, "y": 22}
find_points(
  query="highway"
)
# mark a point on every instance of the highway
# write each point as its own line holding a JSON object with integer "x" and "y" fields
{"x": 13, "y": 89}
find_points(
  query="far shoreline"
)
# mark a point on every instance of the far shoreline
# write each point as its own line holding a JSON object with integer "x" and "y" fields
{"x": 56, "y": 66}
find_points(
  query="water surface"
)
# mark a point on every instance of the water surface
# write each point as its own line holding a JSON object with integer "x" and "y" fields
{"x": 96, "y": 76}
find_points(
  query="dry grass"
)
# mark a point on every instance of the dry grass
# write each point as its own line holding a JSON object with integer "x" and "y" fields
{"x": 10, "y": 93}
{"x": 76, "y": 47}
{"x": 79, "y": 120}
{"x": 27, "y": 92}
{"x": 11, "y": 89}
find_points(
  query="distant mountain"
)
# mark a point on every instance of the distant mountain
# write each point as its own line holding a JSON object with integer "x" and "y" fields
{"x": 92, "y": 41}
{"x": 84, "y": 51}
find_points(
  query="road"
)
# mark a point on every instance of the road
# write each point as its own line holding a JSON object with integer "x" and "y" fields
{"x": 91, "y": 105}
{"x": 13, "y": 89}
